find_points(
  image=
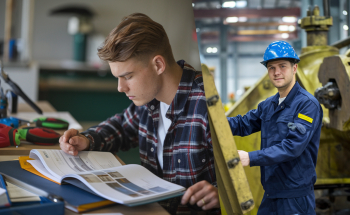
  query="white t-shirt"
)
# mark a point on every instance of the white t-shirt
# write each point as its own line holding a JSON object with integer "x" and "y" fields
{"x": 163, "y": 127}
{"x": 280, "y": 100}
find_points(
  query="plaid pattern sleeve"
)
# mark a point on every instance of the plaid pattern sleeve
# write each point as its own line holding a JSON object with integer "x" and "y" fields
{"x": 187, "y": 152}
{"x": 119, "y": 132}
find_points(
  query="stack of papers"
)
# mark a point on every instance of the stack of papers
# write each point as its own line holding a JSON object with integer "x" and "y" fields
{"x": 18, "y": 194}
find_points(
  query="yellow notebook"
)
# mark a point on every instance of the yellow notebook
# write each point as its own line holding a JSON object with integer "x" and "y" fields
{"x": 81, "y": 208}
{"x": 27, "y": 166}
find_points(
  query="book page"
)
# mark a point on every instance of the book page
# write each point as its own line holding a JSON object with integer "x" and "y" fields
{"x": 41, "y": 169}
{"x": 18, "y": 194}
{"x": 127, "y": 184}
{"x": 58, "y": 163}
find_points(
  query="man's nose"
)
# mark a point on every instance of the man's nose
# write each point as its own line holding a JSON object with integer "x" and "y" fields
{"x": 122, "y": 86}
{"x": 277, "y": 71}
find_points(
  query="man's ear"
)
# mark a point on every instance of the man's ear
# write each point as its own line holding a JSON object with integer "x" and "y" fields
{"x": 295, "y": 68}
{"x": 158, "y": 63}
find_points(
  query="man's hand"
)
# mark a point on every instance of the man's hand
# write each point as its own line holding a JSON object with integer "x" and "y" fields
{"x": 244, "y": 157}
{"x": 71, "y": 142}
{"x": 203, "y": 194}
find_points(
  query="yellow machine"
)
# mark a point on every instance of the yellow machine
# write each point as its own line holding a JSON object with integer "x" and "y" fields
{"x": 325, "y": 74}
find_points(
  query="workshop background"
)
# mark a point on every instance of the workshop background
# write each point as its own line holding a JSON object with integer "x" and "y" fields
{"x": 233, "y": 35}
{"x": 232, "y": 38}
{"x": 53, "y": 51}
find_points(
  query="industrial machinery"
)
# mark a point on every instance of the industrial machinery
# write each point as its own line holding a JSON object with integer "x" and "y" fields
{"x": 325, "y": 73}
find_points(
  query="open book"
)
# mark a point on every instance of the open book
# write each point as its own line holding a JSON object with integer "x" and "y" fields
{"x": 102, "y": 174}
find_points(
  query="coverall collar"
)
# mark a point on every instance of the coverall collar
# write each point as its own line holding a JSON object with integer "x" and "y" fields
{"x": 290, "y": 96}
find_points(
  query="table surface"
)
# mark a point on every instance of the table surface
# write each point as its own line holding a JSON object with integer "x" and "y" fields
{"x": 11, "y": 153}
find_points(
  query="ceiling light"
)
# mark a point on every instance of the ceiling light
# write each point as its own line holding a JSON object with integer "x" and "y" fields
{"x": 291, "y": 28}
{"x": 232, "y": 19}
{"x": 345, "y": 12}
{"x": 284, "y": 35}
{"x": 214, "y": 50}
{"x": 229, "y": 4}
{"x": 192, "y": 4}
{"x": 242, "y": 19}
{"x": 241, "y": 4}
{"x": 345, "y": 27}
{"x": 209, "y": 50}
{"x": 289, "y": 19}
{"x": 197, "y": 29}
{"x": 283, "y": 27}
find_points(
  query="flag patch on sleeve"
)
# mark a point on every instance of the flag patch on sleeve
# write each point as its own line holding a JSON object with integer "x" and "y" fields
{"x": 306, "y": 118}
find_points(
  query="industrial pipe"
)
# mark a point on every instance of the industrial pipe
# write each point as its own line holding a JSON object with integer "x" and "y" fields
{"x": 341, "y": 43}
{"x": 326, "y": 10}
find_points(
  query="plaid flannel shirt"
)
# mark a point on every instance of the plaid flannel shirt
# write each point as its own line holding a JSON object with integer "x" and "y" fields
{"x": 188, "y": 153}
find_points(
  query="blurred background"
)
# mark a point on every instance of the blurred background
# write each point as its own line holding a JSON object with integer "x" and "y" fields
{"x": 49, "y": 49}
{"x": 52, "y": 48}
{"x": 233, "y": 35}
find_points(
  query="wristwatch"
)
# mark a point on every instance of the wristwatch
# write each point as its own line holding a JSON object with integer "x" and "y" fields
{"x": 91, "y": 141}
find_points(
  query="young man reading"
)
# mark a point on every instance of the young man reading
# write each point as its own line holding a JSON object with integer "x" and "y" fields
{"x": 290, "y": 124}
{"x": 168, "y": 118}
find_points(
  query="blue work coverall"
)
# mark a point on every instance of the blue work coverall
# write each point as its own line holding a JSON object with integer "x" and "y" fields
{"x": 290, "y": 136}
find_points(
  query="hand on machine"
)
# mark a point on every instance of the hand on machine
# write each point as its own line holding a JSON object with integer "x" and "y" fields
{"x": 10, "y": 136}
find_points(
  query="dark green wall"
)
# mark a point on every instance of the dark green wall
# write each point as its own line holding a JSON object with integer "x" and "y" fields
{"x": 83, "y": 104}
{"x": 87, "y": 105}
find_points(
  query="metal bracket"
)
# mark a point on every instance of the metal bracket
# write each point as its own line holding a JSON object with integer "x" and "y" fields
{"x": 246, "y": 205}
{"x": 233, "y": 163}
{"x": 212, "y": 100}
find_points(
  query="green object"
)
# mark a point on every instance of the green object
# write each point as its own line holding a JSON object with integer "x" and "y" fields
{"x": 49, "y": 122}
{"x": 80, "y": 47}
{"x": 17, "y": 139}
{"x": 21, "y": 134}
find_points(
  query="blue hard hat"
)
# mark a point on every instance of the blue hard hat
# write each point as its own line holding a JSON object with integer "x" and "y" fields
{"x": 279, "y": 49}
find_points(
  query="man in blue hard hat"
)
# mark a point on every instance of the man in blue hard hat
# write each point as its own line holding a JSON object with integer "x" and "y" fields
{"x": 290, "y": 124}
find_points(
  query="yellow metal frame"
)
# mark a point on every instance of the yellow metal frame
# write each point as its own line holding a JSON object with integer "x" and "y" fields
{"x": 233, "y": 186}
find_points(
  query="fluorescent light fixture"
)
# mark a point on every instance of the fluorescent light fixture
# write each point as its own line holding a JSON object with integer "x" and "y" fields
{"x": 209, "y": 50}
{"x": 242, "y": 19}
{"x": 345, "y": 12}
{"x": 345, "y": 27}
{"x": 232, "y": 19}
{"x": 289, "y": 19}
{"x": 214, "y": 50}
{"x": 284, "y": 35}
{"x": 229, "y": 4}
{"x": 283, "y": 27}
{"x": 241, "y": 4}
{"x": 291, "y": 28}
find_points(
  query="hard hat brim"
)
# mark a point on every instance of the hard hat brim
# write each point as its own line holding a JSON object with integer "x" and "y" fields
{"x": 297, "y": 60}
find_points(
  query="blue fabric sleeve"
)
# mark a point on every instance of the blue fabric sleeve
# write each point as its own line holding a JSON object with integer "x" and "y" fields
{"x": 295, "y": 142}
{"x": 247, "y": 124}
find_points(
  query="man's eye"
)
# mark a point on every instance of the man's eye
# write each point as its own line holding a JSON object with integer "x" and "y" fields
{"x": 127, "y": 78}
